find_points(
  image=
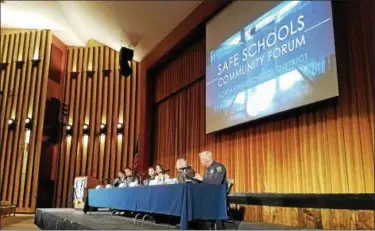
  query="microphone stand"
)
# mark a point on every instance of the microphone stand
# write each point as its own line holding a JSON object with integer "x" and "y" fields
{"x": 184, "y": 175}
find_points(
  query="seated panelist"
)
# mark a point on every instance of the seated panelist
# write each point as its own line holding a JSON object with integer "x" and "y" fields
{"x": 151, "y": 173}
{"x": 215, "y": 172}
{"x": 151, "y": 180}
{"x": 130, "y": 179}
{"x": 161, "y": 176}
{"x": 119, "y": 179}
{"x": 185, "y": 172}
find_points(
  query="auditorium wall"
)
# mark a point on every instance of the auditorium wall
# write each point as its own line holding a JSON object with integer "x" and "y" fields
{"x": 35, "y": 170}
{"x": 322, "y": 148}
{"x": 96, "y": 94}
{"x": 25, "y": 59}
{"x": 50, "y": 143}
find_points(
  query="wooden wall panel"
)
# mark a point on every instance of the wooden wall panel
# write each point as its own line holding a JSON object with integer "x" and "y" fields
{"x": 85, "y": 111}
{"x": 94, "y": 99}
{"x": 126, "y": 119}
{"x": 319, "y": 149}
{"x": 116, "y": 118}
{"x": 27, "y": 113}
{"x": 24, "y": 89}
{"x": 8, "y": 108}
{"x": 98, "y": 144}
{"x": 50, "y": 157}
{"x": 19, "y": 143}
{"x": 93, "y": 57}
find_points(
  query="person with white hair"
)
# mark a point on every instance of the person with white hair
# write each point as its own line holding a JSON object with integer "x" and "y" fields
{"x": 185, "y": 172}
{"x": 215, "y": 172}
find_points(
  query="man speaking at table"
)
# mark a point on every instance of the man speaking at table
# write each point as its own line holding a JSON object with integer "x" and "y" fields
{"x": 215, "y": 172}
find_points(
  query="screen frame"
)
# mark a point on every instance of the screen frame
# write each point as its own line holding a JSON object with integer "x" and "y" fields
{"x": 279, "y": 115}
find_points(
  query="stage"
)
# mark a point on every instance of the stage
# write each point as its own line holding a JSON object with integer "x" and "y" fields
{"x": 71, "y": 219}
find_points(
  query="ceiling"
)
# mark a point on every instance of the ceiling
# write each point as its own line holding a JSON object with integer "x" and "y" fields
{"x": 140, "y": 25}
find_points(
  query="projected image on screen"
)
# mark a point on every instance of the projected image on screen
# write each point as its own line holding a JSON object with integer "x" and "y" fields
{"x": 282, "y": 60}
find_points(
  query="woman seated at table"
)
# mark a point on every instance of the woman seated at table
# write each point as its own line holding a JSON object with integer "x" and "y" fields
{"x": 120, "y": 179}
{"x": 161, "y": 176}
{"x": 151, "y": 180}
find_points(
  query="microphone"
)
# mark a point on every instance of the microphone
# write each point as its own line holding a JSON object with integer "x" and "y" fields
{"x": 140, "y": 176}
{"x": 184, "y": 168}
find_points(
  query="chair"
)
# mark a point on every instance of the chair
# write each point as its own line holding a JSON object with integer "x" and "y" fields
{"x": 7, "y": 208}
{"x": 147, "y": 216}
{"x": 230, "y": 212}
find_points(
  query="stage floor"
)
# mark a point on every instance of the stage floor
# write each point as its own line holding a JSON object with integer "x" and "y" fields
{"x": 75, "y": 219}
{"x": 71, "y": 219}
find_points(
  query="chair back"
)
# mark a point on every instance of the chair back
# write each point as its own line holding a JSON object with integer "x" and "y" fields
{"x": 230, "y": 185}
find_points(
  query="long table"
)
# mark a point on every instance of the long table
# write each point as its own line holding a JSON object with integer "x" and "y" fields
{"x": 188, "y": 201}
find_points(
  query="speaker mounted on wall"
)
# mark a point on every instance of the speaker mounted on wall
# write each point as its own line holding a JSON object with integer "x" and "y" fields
{"x": 126, "y": 55}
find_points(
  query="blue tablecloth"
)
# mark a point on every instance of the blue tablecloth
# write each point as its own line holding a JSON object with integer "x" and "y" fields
{"x": 189, "y": 201}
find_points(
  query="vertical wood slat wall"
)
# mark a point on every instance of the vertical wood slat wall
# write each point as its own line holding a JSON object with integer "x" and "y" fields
{"x": 318, "y": 150}
{"x": 94, "y": 100}
{"x": 24, "y": 89}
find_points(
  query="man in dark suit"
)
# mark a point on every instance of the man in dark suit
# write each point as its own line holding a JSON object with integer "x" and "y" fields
{"x": 215, "y": 172}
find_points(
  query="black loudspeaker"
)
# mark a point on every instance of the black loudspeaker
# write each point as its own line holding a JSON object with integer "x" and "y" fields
{"x": 126, "y": 55}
